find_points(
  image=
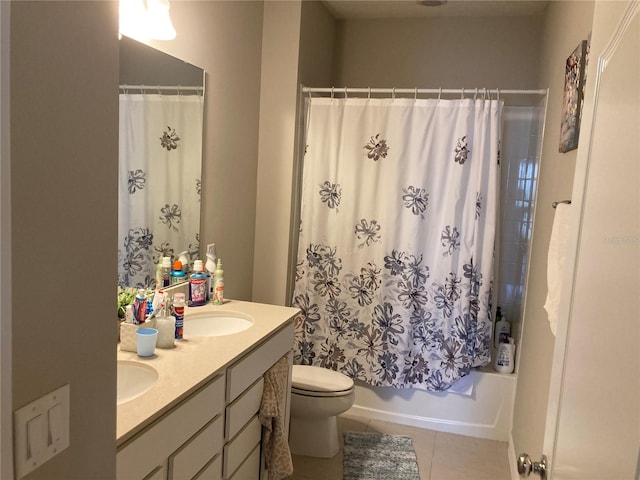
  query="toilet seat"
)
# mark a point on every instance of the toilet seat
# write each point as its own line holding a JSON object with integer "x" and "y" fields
{"x": 314, "y": 381}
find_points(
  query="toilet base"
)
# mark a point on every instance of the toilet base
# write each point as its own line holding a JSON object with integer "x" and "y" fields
{"x": 314, "y": 437}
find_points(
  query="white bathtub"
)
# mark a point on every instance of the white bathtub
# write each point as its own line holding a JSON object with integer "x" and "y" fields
{"x": 486, "y": 413}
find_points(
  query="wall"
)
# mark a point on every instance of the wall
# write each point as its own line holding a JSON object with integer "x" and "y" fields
{"x": 447, "y": 52}
{"x": 297, "y": 49}
{"x": 565, "y": 25}
{"x": 6, "y": 434}
{"x": 225, "y": 39}
{"x": 278, "y": 103}
{"x": 64, "y": 170}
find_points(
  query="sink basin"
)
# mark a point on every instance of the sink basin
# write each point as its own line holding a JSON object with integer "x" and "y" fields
{"x": 215, "y": 324}
{"x": 134, "y": 379}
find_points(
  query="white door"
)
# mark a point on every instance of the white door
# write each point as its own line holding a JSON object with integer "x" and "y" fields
{"x": 593, "y": 424}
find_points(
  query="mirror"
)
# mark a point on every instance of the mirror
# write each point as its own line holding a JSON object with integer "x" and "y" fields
{"x": 160, "y": 161}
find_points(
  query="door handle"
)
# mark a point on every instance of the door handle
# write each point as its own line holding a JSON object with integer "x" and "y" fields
{"x": 526, "y": 466}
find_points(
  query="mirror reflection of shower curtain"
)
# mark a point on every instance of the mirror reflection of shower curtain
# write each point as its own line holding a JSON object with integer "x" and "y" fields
{"x": 395, "y": 258}
{"x": 161, "y": 153}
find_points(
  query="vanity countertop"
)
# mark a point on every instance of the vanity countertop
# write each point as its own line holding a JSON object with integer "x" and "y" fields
{"x": 194, "y": 361}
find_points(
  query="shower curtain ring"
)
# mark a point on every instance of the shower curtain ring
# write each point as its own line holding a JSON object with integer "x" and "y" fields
{"x": 462, "y": 94}
{"x": 369, "y": 93}
{"x": 439, "y": 93}
{"x": 415, "y": 94}
{"x": 393, "y": 93}
{"x": 475, "y": 96}
{"x": 331, "y": 93}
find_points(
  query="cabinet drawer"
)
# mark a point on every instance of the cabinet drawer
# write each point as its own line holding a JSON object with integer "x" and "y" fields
{"x": 163, "y": 437}
{"x": 195, "y": 454}
{"x": 160, "y": 473}
{"x": 246, "y": 370}
{"x": 250, "y": 469}
{"x": 213, "y": 471}
{"x": 236, "y": 451}
{"x": 243, "y": 408}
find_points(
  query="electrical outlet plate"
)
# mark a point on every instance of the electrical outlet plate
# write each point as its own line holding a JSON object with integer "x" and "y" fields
{"x": 41, "y": 430}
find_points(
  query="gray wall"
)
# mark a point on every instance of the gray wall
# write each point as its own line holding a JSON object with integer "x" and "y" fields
{"x": 447, "y": 52}
{"x": 225, "y": 39}
{"x": 64, "y": 162}
{"x": 565, "y": 25}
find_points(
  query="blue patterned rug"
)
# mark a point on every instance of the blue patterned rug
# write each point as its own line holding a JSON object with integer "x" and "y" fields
{"x": 376, "y": 456}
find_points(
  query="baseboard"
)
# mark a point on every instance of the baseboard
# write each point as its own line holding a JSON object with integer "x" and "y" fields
{"x": 513, "y": 460}
{"x": 461, "y": 428}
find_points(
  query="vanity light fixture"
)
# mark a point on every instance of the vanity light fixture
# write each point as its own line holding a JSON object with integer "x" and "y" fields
{"x": 146, "y": 19}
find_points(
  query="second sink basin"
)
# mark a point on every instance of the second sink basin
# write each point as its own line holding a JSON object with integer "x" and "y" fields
{"x": 134, "y": 379}
{"x": 214, "y": 324}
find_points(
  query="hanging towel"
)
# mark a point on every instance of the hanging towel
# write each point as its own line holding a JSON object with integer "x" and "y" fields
{"x": 274, "y": 440}
{"x": 555, "y": 262}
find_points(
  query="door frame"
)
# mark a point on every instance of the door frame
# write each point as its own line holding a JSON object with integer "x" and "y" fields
{"x": 565, "y": 309}
{"x": 6, "y": 402}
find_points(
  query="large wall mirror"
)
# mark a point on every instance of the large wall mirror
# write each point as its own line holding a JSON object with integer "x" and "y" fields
{"x": 160, "y": 161}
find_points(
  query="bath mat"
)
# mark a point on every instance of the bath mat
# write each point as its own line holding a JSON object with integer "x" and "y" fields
{"x": 376, "y": 456}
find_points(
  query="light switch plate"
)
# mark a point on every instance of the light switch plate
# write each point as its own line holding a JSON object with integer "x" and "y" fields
{"x": 41, "y": 430}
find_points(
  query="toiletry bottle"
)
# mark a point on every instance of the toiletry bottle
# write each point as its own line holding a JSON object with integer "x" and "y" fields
{"x": 166, "y": 326}
{"x": 158, "y": 298}
{"x": 166, "y": 271}
{"x": 178, "y": 313}
{"x": 502, "y": 326}
{"x": 128, "y": 314}
{"x": 140, "y": 307}
{"x": 184, "y": 259}
{"x": 159, "y": 274}
{"x": 210, "y": 268}
{"x": 218, "y": 293}
{"x": 177, "y": 275}
{"x": 197, "y": 285}
{"x": 505, "y": 356}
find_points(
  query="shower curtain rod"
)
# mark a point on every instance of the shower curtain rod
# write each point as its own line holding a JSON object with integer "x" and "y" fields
{"x": 158, "y": 88}
{"x": 416, "y": 91}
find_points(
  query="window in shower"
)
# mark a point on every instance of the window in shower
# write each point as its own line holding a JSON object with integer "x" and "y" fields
{"x": 521, "y": 143}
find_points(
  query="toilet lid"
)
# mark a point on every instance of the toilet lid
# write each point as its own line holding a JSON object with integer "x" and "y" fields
{"x": 317, "y": 379}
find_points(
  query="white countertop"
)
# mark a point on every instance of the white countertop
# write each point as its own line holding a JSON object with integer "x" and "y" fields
{"x": 194, "y": 361}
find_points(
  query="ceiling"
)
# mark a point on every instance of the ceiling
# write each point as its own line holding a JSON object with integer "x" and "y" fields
{"x": 370, "y": 9}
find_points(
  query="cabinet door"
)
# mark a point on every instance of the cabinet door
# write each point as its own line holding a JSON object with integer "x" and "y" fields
{"x": 157, "y": 442}
{"x": 197, "y": 452}
{"x": 238, "y": 449}
{"x": 250, "y": 468}
{"x": 159, "y": 473}
{"x": 213, "y": 471}
{"x": 249, "y": 368}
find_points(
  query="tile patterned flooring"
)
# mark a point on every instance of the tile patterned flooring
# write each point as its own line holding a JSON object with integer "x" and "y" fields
{"x": 441, "y": 456}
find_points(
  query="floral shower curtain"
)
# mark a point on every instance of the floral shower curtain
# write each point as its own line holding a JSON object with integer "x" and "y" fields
{"x": 395, "y": 256}
{"x": 160, "y": 164}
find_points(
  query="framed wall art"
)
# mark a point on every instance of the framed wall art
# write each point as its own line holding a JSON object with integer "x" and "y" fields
{"x": 574, "y": 80}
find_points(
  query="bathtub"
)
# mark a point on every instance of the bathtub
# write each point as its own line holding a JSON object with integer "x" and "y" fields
{"x": 485, "y": 413}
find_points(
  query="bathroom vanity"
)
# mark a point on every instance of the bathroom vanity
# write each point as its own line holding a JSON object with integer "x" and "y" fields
{"x": 199, "y": 420}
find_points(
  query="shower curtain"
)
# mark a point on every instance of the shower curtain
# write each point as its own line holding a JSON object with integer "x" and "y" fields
{"x": 395, "y": 253}
{"x": 160, "y": 164}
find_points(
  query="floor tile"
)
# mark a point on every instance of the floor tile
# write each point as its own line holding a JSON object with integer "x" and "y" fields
{"x": 441, "y": 456}
{"x": 457, "y": 457}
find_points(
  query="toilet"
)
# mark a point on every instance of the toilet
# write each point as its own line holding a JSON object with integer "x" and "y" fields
{"x": 318, "y": 395}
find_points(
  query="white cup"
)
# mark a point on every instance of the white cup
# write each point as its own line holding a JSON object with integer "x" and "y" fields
{"x": 146, "y": 339}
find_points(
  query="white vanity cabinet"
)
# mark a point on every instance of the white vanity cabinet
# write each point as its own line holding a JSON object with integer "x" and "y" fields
{"x": 185, "y": 443}
{"x": 215, "y": 433}
{"x": 243, "y": 431}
